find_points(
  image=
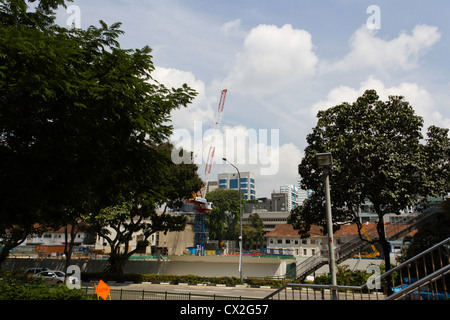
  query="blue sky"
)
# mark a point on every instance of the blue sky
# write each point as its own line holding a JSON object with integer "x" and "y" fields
{"x": 282, "y": 61}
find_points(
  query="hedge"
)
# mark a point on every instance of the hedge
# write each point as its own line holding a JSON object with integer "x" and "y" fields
{"x": 170, "y": 278}
{"x": 344, "y": 277}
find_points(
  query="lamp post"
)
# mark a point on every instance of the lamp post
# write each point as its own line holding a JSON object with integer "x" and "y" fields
{"x": 324, "y": 160}
{"x": 240, "y": 218}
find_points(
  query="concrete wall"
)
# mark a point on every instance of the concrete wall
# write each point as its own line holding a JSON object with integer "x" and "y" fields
{"x": 207, "y": 266}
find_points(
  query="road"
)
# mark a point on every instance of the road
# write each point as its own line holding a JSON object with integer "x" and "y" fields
{"x": 247, "y": 292}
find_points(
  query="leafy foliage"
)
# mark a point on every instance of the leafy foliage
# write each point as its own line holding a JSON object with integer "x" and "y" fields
{"x": 378, "y": 156}
{"x": 18, "y": 286}
{"x": 253, "y": 233}
{"x": 223, "y": 219}
{"x": 83, "y": 124}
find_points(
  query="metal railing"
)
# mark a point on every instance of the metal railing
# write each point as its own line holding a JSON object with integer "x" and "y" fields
{"x": 426, "y": 275}
{"x": 120, "y": 294}
{"x": 432, "y": 287}
{"x": 293, "y": 291}
{"x": 430, "y": 261}
{"x": 350, "y": 247}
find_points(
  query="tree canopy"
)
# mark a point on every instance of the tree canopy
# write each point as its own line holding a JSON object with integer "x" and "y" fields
{"x": 223, "y": 219}
{"x": 82, "y": 121}
{"x": 378, "y": 155}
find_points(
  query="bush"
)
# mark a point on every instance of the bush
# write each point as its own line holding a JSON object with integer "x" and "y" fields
{"x": 344, "y": 277}
{"x": 158, "y": 278}
{"x": 267, "y": 282}
{"x": 18, "y": 286}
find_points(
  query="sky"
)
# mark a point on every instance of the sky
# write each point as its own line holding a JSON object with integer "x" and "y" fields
{"x": 280, "y": 62}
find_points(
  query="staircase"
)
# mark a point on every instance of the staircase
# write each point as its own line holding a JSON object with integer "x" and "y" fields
{"x": 355, "y": 245}
{"x": 423, "y": 277}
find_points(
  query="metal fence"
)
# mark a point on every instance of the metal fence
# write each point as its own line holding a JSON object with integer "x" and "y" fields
{"x": 323, "y": 292}
{"x": 120, "y": 294}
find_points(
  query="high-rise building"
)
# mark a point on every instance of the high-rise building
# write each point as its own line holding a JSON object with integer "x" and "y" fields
{"x": 230, "y": 181}
{"x": 303, "y": 194}
{"x": 292, "y": 196}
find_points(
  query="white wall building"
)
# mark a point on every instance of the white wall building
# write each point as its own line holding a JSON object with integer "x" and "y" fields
{"x": 284, "y": 240}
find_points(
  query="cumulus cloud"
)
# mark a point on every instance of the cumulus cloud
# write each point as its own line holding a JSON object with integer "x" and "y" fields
{"x": 272, "y": 59}
{"x": 275, "y": 165}
{"x": 255, "y": 150}
{"x": 369, "y": 51}
{"x": 418, "y": 97}
{"x": 200, "y": 110}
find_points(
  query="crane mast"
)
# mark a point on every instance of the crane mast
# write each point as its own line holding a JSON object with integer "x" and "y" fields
{"x": 199, "y": 198}
{"x": 212, "y": 147}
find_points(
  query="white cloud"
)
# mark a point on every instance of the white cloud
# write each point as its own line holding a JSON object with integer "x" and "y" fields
{"x": 282, "y": 166}
{"x": 289, "y": 157}
{"x": 370, "y": 51}
{"x": 232, "y": 26}
{"x": 201, "y": 108}
{"x": 254, "y": 150}
{"x": 271, "y": 60}
{"x": 418, "y": 97}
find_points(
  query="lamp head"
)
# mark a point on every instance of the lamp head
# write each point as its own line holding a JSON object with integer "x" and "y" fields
{"x": 324, "y": 160}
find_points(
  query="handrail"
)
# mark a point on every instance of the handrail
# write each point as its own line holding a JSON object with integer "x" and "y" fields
{"x": 311, "y": 261}
{"x": 444, "y": 268}
{"x": 428, "y": 279}
{"x": 346, "y": 248}
{"x": 416, "y": 257}
{"x": 340, "y": 290}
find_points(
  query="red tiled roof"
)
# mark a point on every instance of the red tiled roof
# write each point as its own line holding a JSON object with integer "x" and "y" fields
{"x": 352, "y": 229}
{"x": 284, "y": 230}
{"x": 287, "y": 230}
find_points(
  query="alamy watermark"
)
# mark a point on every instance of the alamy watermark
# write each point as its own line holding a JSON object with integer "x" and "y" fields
{"x": 74, "y": 20}
{"x": 73, "y": 279}
{"x": 238, "y": 145}
{"x": 374, "y": 20}
{"x": 373, "y": 282}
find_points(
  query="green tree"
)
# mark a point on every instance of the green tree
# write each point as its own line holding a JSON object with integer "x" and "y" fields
{"x": 81, "y": 118}
{"x": 138, "y": 213}
{"x": 377, "y": 155}
{"x": 223, "y": 220}
{"x": 253, "y": 232}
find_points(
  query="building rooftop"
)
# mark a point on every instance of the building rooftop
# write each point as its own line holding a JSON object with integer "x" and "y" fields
{"x": 287, "y": 230}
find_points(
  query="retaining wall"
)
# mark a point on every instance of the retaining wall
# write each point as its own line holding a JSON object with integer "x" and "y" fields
{"x": 207, "y": 266}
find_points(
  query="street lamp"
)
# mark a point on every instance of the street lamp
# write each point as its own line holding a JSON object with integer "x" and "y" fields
{"x": 325, "y": 161}
{"x": 240, "y": 218}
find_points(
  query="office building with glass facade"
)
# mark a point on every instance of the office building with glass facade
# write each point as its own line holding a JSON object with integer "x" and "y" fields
{"x": 230, "y": 181}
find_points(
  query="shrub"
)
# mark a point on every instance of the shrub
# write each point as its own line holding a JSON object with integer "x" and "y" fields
{"x": 266, "y": 282}
{"x": 18, "y": 286}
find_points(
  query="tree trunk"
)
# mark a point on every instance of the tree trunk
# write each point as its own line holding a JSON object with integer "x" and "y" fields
{"x": 384, "y": 242}
{"x": 4, "y": 254}
{"x": 68, "y": 247}
{"x": 117, "y": 263}
{"x": 12, "y": 242}
{"x": 385, "y": 247}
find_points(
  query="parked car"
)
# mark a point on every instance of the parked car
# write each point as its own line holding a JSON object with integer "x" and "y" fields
{"x": 54, "y": 277}
{"x": 36, "y": 270}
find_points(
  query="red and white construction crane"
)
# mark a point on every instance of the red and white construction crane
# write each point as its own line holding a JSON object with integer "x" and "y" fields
{"x": 200, "y": 197}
